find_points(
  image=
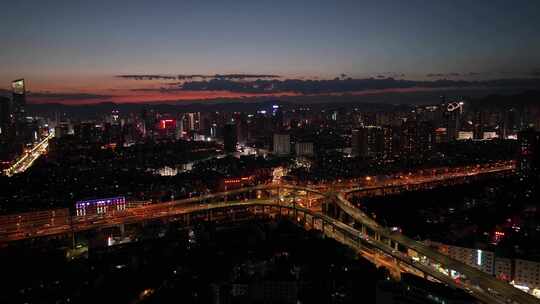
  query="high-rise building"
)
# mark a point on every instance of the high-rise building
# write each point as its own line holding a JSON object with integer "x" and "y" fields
{"x": 19, "y": 99}
{"x": 242, "y": 127}
{"x": 372, "y": 141}
{"x": 21, "y": 128}
{"x": 166, "y": 128}
{"x": 390, "y": 142}
{"x": 230, "y": 137}
{"x": 426, "y": 137}
{"x": 88, "y": 132}
{"x": 191, "y": 121}
{"x": 5, "y": 117}
{"x": 529, "y": 152}
{"x": 409, "y": 137}
{"x": 62, "y": 129}
{"x": 277, "y": 117}
{"x": 148, "y": 118}
{"x": 303, "y": 148}
{"x": 359, "y": 142}
{"x": 282, "y": 144}
{"x": 478, "y": 125}
{"x": 417, "y": 138}
{"x": 452, "y": 114}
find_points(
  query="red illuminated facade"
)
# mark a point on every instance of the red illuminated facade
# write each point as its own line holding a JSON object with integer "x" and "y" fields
{"x": 166, "y": 128}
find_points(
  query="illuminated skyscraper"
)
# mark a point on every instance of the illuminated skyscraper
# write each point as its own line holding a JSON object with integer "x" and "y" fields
{"x": 452, "y": 114}
{"x": 19, "y": 99}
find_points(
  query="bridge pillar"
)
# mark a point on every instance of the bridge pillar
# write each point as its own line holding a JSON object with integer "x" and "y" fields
{"x": 364, "y": 230}
{"x": 342, "y": 216}
{"x": 122, "y": 229}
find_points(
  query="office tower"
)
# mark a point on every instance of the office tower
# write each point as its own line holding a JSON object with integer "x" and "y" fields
{"x": 230, "y": 138}
{"x": 148, "y": 118}
{"x": 88, "y": 132}
{"x": 426, "y": 137}
{"x": 388, "y": 142}
{"x": 417, "y": 138}
{"x": 191, "y": 121}
{"x": 166, "y": 128}
{"x": 19, "y": 99}
{"x": 529, "y": 152}
{"x": 359, "y": 142}
{"x": 282, "y": 144}
{"x": 452, "y": 116}
{"x": 114, "y": 117}
{"x": 304, "y": 149}
{"x": 178, "y": 129}
{"x": 112, "y": 133}
{"x": 61, "y": 130}
{"x": 409, "y": 137}
{"x": 277, "y": 117}
{"x": 478, "y": 125}
{"x": 372, "y": 141}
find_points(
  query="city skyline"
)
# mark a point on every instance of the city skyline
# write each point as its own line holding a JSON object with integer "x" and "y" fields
{"x": 305, "y": 151}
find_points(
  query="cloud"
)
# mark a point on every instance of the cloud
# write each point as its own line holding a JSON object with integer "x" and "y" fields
{"x": 197, "y": 76}
{"x": 443, "y": 75}
{"x": 161, "y": 90}
{"x": 343, "y": 85}
{"x": 63, "y": 96}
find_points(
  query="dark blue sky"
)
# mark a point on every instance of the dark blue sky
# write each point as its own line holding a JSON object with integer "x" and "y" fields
{"x": 54, "y": 40}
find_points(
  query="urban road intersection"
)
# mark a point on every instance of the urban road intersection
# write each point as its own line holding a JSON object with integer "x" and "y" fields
{"x": 309, "y": 207}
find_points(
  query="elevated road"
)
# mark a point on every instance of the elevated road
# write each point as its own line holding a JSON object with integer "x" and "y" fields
{"x": 372, "y": 235}
{"x": 487, "y": 283}
{"x": 26, "y": 160}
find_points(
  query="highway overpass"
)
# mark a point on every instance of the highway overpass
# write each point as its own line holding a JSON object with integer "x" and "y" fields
{"x": 349, "y": 226}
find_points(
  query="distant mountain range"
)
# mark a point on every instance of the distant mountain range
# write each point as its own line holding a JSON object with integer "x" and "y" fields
{"x": 506, "y": 99}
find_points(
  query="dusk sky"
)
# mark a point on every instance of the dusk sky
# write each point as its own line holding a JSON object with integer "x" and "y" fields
{"x": 79, "y": 46}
